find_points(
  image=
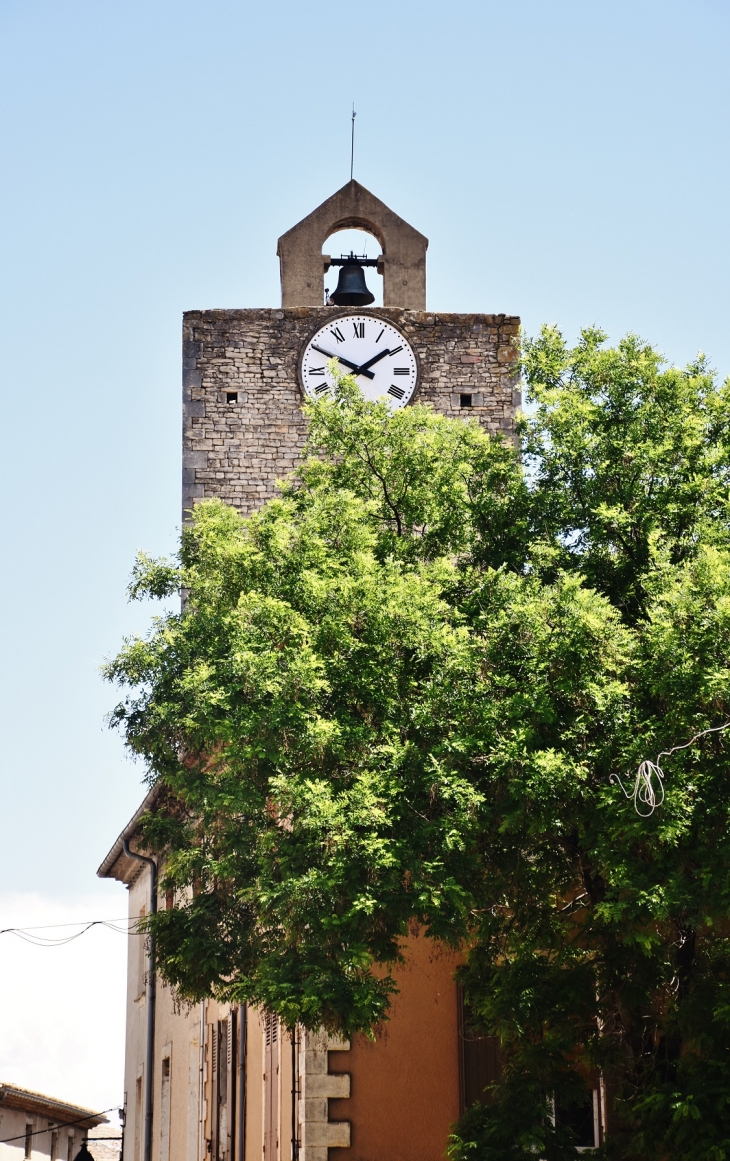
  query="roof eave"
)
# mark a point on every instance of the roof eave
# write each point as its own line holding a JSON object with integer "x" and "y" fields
{"x": 117, "y": 865}
{"x": 13, "y": 1097}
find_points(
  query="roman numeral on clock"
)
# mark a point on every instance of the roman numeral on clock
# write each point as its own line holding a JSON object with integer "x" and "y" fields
{"x": 316, "y": 371}
{"x": 338, "y": 334}
{"x": 401, "y": 370}
{"x": 320, "y": 388}
{"x": 359, "y": 330}
{"x": 398, "y": 392}
{"x": 396, "y": 349}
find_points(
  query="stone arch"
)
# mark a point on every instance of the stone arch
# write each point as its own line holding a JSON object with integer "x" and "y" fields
{"x": 353, "y": 207}
{"x": 364, "y": 224}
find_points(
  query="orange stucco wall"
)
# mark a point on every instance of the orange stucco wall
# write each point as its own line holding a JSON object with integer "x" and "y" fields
{"x": 405, "y": 1085}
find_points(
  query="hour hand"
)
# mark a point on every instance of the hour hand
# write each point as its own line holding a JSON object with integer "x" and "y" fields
{"x": 363, "y": 368}
{"x": 345, "y": 362}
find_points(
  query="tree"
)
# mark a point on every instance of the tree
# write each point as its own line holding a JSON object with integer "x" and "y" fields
{"x": 398, "y": 694}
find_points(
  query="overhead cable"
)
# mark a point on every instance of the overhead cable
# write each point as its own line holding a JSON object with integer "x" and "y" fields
{"x": 30, "y": 934}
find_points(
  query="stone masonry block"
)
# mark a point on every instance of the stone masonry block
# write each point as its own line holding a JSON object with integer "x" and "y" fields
{"x": 314, "y": 1110}
{"x": 332, "y": 1134}
{"x": 195, "y": 459}
{"x": 314, "y": 1063}
{"x": 333, "y": 1084}
{"x": 337, "y": 1044}
{"x": 313, "y": 1153}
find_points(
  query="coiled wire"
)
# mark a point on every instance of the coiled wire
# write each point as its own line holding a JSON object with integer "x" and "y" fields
{"x": 648, "y": 791}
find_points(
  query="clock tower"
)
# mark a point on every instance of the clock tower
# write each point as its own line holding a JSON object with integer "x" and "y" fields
{"x": 246, "y": 372}
{"x": 222, "y": 1083}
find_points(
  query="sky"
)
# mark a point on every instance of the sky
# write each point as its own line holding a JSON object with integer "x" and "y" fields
{"x": 568, "y": 162}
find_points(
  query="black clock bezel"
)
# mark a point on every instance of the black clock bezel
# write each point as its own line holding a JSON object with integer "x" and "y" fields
{"x": 353, "y": 312}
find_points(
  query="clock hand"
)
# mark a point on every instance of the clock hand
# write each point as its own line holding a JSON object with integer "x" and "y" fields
{"x": 346, "y": 362}
{"x": 380, "y": 355}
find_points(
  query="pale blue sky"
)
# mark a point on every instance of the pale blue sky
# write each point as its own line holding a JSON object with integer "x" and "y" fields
{"x": 567, "y": 160}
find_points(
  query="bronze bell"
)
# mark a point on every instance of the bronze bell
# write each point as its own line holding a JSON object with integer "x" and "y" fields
{"x": 352, "y": 289}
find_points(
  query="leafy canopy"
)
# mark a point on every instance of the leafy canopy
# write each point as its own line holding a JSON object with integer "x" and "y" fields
{"x": 396, "y": 696}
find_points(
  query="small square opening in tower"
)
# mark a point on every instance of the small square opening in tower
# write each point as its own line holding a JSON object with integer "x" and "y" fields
{"x": 466, "y": 400}
{"x": 232, "y": 397}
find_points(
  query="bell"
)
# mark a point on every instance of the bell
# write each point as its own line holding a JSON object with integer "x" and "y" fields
{"x": 352, "y": 289}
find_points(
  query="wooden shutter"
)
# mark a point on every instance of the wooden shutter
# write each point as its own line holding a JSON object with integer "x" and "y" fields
{"x": 478, "y": 1058}
{"x": 241, "y": 1078}
{"x": 231, "y": 1085}
{"x": 271, "y": 1087}
{"x": 214, "y": 1091}
{"x": 222, "y": 1089}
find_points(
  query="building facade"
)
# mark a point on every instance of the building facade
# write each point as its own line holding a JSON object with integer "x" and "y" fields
{"x": 230, "y": 1083}
{"x": 33, "y": 1125}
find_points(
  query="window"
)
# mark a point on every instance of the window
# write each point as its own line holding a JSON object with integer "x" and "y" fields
{"x": 223, "y": 1092}
{"x": 231, "y": 397}
{"x": 140, "y": 974}
{"x": 28, "y": 1140}
{"x": 465, "y": 401}
{"x": 165, "y": 1109}
{"x": 70, "y": 1148}
{"x": 271, "y": 1086}
{"x": 138, "y": 1119}
{"x": 583, "y": 1120}
{"x": 54, "y": 1146}
{"x": 478, "y": 1058}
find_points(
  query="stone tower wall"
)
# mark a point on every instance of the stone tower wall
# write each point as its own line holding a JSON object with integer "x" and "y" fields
{"x": 237, "y": 448}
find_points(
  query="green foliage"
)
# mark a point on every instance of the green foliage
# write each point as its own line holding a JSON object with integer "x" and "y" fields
{"x": 626, "y": 455}
{"x": 397, "y": 694}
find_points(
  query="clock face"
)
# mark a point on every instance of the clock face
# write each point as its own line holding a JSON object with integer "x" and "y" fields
{"x": 373, "y": 350}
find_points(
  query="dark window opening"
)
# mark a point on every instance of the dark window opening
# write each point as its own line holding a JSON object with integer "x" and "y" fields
{"x": 231, "y": 397}
{"x": 466, "y": 400}
{"x": 581, "y": 1119}
{"x": 28, "y": 1140}
{"x": 478, "y": 1058}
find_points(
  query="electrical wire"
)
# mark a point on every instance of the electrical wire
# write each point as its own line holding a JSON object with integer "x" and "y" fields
{"x": 650, "y": 794}
{"x": 28, "y": 934}
{"x": 44, "y": 941}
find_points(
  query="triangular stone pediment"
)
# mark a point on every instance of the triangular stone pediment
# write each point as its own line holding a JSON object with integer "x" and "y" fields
{"x": 353, "y": 207}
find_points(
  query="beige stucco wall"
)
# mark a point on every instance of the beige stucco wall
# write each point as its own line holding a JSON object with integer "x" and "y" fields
{"x": 177, "y": 1037}
{"x": 135, "y": 1030}
{"x": 181, "y": 1125}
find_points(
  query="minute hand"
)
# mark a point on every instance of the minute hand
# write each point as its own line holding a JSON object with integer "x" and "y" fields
{"x": 345, "y": 362}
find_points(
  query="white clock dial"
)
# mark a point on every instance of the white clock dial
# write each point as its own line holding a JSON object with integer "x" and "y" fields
{"x": 373, "y": 350}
